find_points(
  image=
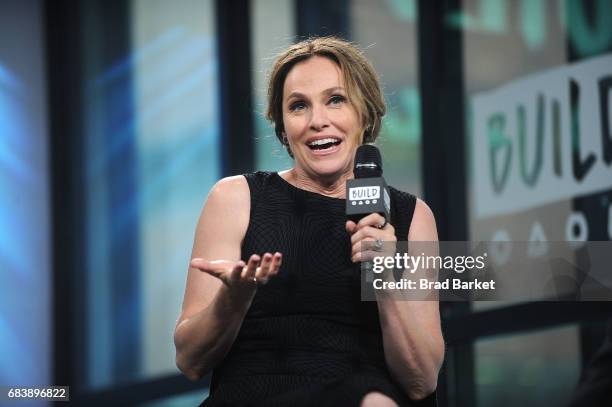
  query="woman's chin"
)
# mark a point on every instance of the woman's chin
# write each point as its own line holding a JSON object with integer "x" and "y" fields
{"x": 328, "y": 170}
{"x": 326, "y": 167}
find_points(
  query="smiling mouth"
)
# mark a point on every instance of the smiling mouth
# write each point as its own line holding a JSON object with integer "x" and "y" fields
{"x": 324, "y": 144}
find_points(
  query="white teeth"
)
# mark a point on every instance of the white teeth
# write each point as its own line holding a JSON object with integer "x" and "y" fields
{"x": 322, "y": 141}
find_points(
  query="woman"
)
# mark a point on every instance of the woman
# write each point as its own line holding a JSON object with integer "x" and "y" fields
{"x": 305, "y": 338}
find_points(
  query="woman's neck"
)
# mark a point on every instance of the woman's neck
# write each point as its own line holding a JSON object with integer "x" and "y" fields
{"x": 333, "y": 186}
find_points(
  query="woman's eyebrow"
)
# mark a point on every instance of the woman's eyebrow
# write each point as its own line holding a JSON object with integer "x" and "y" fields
{"x": 333, "y": 89}
{"x": 295, "y": 95}
{"x": 327, "y": 91}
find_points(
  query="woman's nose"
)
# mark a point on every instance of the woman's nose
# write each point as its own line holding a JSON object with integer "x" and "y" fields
{"x": 319, "y": 119}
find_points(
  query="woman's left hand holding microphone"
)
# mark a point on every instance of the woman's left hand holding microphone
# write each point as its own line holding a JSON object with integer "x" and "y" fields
{"x": 372, "y": 236}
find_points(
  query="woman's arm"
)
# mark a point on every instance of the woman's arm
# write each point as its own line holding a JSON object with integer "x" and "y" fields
{"x": 218, "y": 293}
{"x": 412, "y": 336}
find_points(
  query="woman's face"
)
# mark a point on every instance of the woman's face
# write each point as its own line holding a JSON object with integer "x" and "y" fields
{"x": 321, "y": 126}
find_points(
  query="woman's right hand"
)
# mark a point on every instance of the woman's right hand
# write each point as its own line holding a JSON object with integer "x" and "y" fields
{"x": 234, "y": 274}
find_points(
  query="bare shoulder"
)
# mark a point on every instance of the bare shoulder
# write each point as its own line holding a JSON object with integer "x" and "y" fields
{"x": 423, "y": 226}
{"x": 230, "y": 194}
{"x": 230, "y": 188}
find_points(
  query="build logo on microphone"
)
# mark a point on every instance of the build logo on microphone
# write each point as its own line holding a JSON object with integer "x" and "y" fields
{"x": 364, "y": 195}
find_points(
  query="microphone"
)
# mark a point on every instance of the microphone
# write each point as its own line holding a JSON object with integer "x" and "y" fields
{"x": 368, "y": 192}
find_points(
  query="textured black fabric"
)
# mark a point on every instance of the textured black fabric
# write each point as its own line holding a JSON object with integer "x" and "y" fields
{"x": 307, "y": 338}
{"x": 595, "y": 386}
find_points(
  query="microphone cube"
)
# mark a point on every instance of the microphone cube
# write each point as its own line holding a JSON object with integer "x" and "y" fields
{"x": 365, "y": 196}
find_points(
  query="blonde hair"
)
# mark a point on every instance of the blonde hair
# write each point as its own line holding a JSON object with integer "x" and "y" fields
{"x": 361, "y": 82}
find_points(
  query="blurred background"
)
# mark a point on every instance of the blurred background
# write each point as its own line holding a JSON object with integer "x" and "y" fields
{"x": 116, "y": 118}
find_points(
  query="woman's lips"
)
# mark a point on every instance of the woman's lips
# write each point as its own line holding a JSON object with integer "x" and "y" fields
{"x": 326, "y": 151}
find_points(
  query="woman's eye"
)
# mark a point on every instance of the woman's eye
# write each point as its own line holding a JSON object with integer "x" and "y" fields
{"x": 297, "y": 106}
{"x": 336, "y": 99}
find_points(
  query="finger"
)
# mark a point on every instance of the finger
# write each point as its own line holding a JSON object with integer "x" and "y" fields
{"x": 363, "y": 245}
{"x": 237, "y": 271}
{"x": 366, "y": 255}
{"x": 264, "y": 268}
{"x": 198, "y": 263}
{"x": 277, "y": 260}
{"x": 373, "y": 219}
{"x": 384, "y": 246}
{"x": 385, "y": 234}
{"x": 350, "y": 226}
{"x": 219, "y": 265}
{"x": 215, "y": 268}
{"x": 366, "y": 232}
{"x": 248, "y": 273}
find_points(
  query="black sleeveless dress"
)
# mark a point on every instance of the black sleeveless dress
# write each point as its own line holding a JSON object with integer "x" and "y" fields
{"x": 307, "y": 339}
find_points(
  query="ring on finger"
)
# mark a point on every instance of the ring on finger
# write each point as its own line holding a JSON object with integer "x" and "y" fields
{"x": 378, "y": 245}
